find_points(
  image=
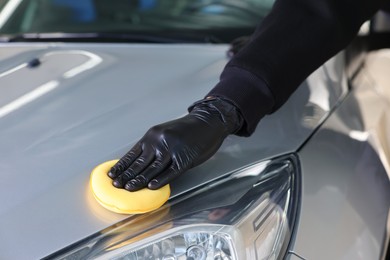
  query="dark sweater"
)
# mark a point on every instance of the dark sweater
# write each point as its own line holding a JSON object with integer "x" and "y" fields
{"x": 294, "y": 39}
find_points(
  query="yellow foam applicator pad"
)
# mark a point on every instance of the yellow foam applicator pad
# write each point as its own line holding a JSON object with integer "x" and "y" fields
{"x": 121, "y": 200}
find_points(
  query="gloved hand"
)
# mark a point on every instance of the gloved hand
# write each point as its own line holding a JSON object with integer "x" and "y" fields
{"x": 171, "y": 148}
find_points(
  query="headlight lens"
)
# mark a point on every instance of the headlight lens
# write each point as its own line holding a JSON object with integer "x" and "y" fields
{"x": 248, "y": 214}
{"x": 198, "y": 242}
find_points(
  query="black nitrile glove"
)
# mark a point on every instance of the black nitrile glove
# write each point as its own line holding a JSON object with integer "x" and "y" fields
{"x": 171, "y": 148}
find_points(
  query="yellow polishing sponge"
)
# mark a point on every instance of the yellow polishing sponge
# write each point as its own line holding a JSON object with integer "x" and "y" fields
{"x": 121, "y": 200}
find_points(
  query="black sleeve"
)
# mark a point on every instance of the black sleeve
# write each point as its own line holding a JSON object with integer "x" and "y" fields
{"x": 295, "y": 38}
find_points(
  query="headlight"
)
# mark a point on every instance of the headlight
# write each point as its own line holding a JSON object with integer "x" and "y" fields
{"x": 247, "y": 214}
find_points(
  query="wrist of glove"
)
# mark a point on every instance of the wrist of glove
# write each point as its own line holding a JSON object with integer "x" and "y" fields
{"x": 222, "y": 109}
{"x": 169, "y": 149}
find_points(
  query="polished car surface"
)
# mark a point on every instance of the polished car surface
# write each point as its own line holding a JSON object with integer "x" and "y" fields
{"x": 316, "y": 170}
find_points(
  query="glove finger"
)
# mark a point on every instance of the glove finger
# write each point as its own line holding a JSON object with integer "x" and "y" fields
{"x": 164, "y": 178}
{"x": 125, "y": 161}
{"x": 135, "y": 168}
{"x": 141, "y": 181}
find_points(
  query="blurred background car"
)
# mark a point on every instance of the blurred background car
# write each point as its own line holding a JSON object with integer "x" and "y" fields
{"x": 75, "y": 78}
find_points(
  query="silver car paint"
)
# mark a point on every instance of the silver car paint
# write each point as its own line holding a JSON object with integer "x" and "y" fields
{"x": 50, "y": 140}
{"x": 346, "y": 188}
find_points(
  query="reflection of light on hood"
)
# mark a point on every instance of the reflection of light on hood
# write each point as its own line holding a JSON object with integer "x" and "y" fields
{"x": 359, "y": 135}
{"x": 253, "y": 170}
{"x": 93, "y": 61}
{"x": 29, "y": 97}
{"x": 8, "y": 9}
{"x": 21, "y": 66}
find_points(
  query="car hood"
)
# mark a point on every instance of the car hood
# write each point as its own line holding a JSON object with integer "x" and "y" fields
{"x": 66, "y": 108}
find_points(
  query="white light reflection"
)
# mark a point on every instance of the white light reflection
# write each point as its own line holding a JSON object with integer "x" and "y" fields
{"x": 5, "y": 73}
{"x": 365, "y": 29}
{"x": 253, "y": 170}
{"x": 93, "y": 61}
{"x": 8, "y": 9}
{"x": 29, "y": 97}
{"x": 359, "y": 135}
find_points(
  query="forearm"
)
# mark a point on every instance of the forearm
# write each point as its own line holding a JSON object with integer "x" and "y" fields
{"x": 290, "y": 43}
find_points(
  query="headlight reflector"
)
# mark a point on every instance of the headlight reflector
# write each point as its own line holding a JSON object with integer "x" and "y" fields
{"x": 196, "y": 243}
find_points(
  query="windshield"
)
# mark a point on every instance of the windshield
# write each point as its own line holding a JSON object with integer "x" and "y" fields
{"x": 222, "y": 19}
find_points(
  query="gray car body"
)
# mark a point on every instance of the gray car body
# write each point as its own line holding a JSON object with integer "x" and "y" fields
{"x": 88, "y": 103}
